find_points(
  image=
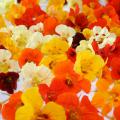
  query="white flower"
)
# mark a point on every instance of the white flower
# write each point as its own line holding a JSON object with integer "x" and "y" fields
{"x": 33, "y": 75}
{"x": 66, "y": 32}
{"x": 84, "y": 45}
{"x": 102, "y": 36}
{"x": 13, "y": 66}
{"x": 35, "y": 40}
{"x": 4, "y": 55}
{"x": 38, "y": 27}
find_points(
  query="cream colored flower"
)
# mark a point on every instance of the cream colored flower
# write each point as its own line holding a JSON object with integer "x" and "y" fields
{"x": 66, "y": 32}
{"x": 35, "y": 40}
{"x": 38, "y": 27}
{"x": 33, "y": 75}
{"x": 5, "y": 55}
{"x": 102, "y": 36}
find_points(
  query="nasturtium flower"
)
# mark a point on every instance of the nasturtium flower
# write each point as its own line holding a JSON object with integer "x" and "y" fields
{"x": 5, "y": 55}
{"x": 35, "y": 40}
{"x": 30, "y": 55}
{"x": 55, "y": 46}
{"x": 64, "y": 71}
{"x": 87, "y": 33}
{"x": 76, "y": 39}
{"x": 116, "y": 113}
{"x": 8, "y": 81}
{"x": 102, "y": 36}
{"x": 39, "y": 27}
{"x": 5, "y": 5}
{"x": 20, "y": 35}
{"x": 9, "y": 44}
{"x": 66, "y": 32}
{"x": 88, "y": 64}
{"x": 51, "y": 60}
{"x": 2, "y": 22}
{"x": 107, "y": 99}
{"x": 14, "y": 102}
{"x": 78, "y": 110}
{"x": 84, "y": 45}
{"x": 34, "y": 108}
{"x": 33, "y": 75}
{"x": 115, "y": 68}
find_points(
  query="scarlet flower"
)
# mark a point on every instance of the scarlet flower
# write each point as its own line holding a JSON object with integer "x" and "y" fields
{"x": 30, "y": 55}
{"x": 81, "y": 20}
{"x": 76, "y": 110}
{"x": 8, "y": 81}
{"x": 76, "y": 19}
{"x": 115, "y": 64}
{"x": 31, "y": 16}
{"x": 9, "y": 108}
{"x": 117, "y": 113}
{"x": 71, "y": 53}
{"x": 116, "y": 5}
{"x": 100, "y": 22}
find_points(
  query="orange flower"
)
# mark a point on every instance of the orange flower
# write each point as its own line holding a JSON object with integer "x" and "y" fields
{"x": 76, "y": 110}
{"x": 64, "y": 72}
{"x": 29, "y": 3}
{"x": 30, "y": 55}
{"x": 49, "y": 25}
{"x": 9, "y": 109}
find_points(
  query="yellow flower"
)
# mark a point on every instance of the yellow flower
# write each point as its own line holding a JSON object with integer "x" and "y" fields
{"x": 8, "y": 43}
{"x": 2, "y": 22}
{"x": 87, "y": 33}
{"x": 88, "y": 64}
{"x": 34, "y": 109}
{"x": 55, "y": 46}
{"x": 51, "y": 60}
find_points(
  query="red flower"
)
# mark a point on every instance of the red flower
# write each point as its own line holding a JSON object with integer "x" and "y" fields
{"x": 83, "y": 110}
{"x": 100, "y": 22}
{"x": 81, "y": 20}
{"x": 9, "y": 108}
{"x": 8, "y": 81}
{"x": 30, "y": 55}
{"x": 76, "y": 19}
{"x": 31, "y": 16}
{"x": 117, "y": 113}
{"x": 116, "y": 5}
{"x": 115, "y": 65}
{"x": 71, "y": 53}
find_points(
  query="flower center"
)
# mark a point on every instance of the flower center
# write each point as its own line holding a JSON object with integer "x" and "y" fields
{"x": 73, "y": 115}
{"x": 69, "y": 82}
{"x": 41, "y": 116}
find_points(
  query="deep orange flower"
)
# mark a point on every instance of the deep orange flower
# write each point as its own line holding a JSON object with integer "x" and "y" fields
{"x": 76, "y": 110}
{"x": 30, "y": 55}
{"x": 29, "y": 3}
{"x": 49, "y": 25}
{"x": 64, "y": 71}
{"x": 9, "y": 109}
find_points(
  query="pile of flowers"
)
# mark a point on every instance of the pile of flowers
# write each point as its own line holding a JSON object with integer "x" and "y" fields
{"x": 58, "y": 64}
